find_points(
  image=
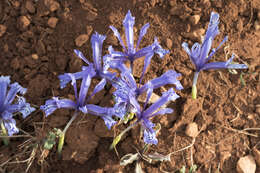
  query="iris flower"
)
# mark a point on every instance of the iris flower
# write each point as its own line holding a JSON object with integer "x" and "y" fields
{"x": 11, "y": 103}
{"x": 95, "y": 69}
{"x": 127, "y": 92}
{"x": 132, "y": 53}
{"x": 201, "y": 54}
{"x": 127, "y": 88}
{"x": 80, "y": 105}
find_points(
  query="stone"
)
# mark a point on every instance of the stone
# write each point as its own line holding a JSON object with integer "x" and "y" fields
{"x": 91, "y": 16}
{"x": 52, "y": 22}
{"x": 169, "y": 43}
{"x": 30, "y": 6}
{"x": 35, "y": 56}
{"x": 246, "y": 164}
{"x": 2, "y": 30}
{"x": 24, "y": 22}
{"x": 256, "y": 153}
{"x": 81, "y": 39}
{"x": 194, "y": 19}
{"x": 192, "y": 130}
{"x": 52, "y": 5}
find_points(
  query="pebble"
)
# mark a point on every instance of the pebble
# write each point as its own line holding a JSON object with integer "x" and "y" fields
{"x": 256, "y": 153}
{"x": 52, "y": 22}
{"x": 30, "y": 6}
{"x": 194, "y": 19}
{"x": 192, "y": 130}
{"x": 169, "y": 43}
{"x": 173, "y": 3}
{"x": 81, "y": 39}
{"x": 24, "y": 22}
{"x": 91, "y": 16}
{"x": 246, "y": 164}
{"x": 2, "y": 30}
{"x": 35, "y": 56}
{"x": 52, "y": 5}
{"x": 195, "y": 35}
{"x": 257, "y": 26}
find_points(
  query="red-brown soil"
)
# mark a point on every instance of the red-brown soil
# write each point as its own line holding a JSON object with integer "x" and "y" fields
{"x": 37, "y": 38}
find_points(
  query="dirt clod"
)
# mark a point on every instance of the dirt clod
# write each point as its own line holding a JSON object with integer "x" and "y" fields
{"x": 52, "y": 22}
{"x": 24, "y": 22}
{"x": 192, "y": 130}
{"x": 52, "y": 5}
{"x": 81, "y": 39}
{"x": 246, "y": 164}
{"x": 2, "y": 30}
{"x": 194, "y": 19}
{"x": 30, "y": 6}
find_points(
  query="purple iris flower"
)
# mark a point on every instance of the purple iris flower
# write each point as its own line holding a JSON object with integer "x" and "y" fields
{"x": 145, "y": 114}
{"x": 81, "y": 100}
{"x": 95, "y": 69}
{"x": 126, "y": 89}
{"x": 11, "y": 103}
{"x": 132, "y": 53}
{"x": 200, "y": 54}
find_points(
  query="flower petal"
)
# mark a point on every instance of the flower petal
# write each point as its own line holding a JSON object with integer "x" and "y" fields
{"x": 159, "y": 50}
{"x": 206, "y": 46}
{"x": 10, "y": 125}
{"x": 162, "y": 112}
{"x": 128, "y": 23}
{"x": 141, "y": 34}
{"x": 222, "y": 65}
{"x": 98, "y": 87}
{"x": 97, "y": 43}
{"x": 147, "y": 62}
{"x": 212, "y": 30}
{"x": 85, "y": 83}
{"x": 116, "y": 33}
{"x": 14, "y": 89}
{"x": 167, "y": 96}
{"x": 4, "y": 82}
{"x": 52, "y": 104}
{"x": 150, "y": 137}
{"x": 81, "y": 56}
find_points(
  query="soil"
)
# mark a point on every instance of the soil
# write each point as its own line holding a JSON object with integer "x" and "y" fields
{"x": 37, "y": 38}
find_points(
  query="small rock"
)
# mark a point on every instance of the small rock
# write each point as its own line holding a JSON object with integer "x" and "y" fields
{"x": 246, "y": 164}
{"x": 194, "y": 19}
{"x": 81, "y": 39}
{"x": 30, "y": 6}
{"x": 173, "y": 3}
{"x": 52, "y": 22}
{"x": 169, "y": 43}
{"x": 24, "y": 22}
{"x": 52, "y": 5}
{"x": 91, "y": 16}
{"x": 35, "y": 56}
{"x": 2, "y": 30}
{"x": 256, "y": 153}
{"x": 192, "y": 130}
{"x": 257, "y": 26}
{"x": 195, "y": 35}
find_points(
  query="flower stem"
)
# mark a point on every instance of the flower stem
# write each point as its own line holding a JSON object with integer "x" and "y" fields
{"x": 4, "y": 133}
{"x": 194, "y": 88}
{"x": 118, "y": 137}
{"x": 62, "y": 135}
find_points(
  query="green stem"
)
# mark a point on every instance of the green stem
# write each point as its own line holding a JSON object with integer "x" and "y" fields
{"x": 62, "y": 135}
{"x": 118, "y": 137}
{"x": 4, "y": 133}
{"x": 194, "y": 88}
